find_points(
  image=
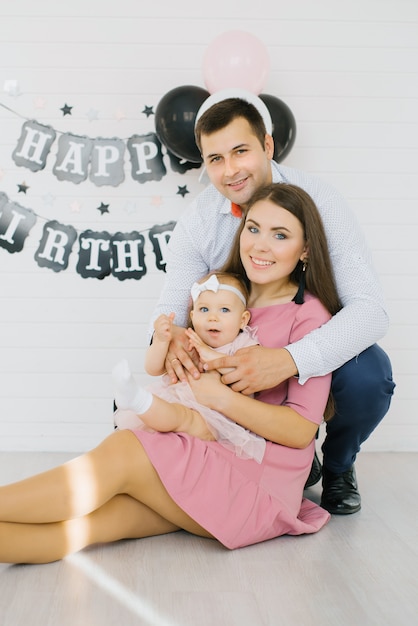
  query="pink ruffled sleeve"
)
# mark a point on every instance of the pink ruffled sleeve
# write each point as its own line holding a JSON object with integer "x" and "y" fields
{"x": 248, "y": 337}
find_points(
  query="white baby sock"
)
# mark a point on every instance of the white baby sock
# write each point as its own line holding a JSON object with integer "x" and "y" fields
{"x": 128, "y": 394}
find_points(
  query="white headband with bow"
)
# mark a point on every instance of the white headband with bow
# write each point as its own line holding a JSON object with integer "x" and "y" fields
{"x": 213, "y": 284}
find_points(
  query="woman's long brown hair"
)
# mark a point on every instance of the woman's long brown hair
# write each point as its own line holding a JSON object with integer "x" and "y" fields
{"x": 319, "y": 276}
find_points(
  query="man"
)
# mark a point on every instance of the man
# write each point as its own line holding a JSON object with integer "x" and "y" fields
{"x": 237, "y": 153}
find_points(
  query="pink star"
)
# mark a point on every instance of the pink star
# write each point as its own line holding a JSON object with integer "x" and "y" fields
{"x": 75, "y": 206}
{"x": 40, "y": 103}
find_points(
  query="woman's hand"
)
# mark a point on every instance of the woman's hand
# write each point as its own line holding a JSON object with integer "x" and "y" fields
{"x": 208, "y": 389}
{"x": 180, "y": 358}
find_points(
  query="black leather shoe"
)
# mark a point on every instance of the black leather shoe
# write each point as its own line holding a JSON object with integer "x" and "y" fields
{"x": 315, "y": 473}
{"x": 340, "y": 494}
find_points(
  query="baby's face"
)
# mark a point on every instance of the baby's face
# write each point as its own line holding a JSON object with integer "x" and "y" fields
{"x": 218, "y": 317}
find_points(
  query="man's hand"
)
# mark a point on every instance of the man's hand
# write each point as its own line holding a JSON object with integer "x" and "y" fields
{"x": 180, "y": 358}
{"x": 255, "y": 368}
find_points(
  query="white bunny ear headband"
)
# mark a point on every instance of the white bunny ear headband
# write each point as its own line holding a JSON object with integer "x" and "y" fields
{"x": 224, "y": 94}
{"x": 213, "y": 284}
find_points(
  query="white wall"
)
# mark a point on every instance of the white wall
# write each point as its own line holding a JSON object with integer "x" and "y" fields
{"x": 348, "y": 71}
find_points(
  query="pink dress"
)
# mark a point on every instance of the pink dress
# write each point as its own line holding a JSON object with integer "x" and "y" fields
{"x": 240, "y": 501}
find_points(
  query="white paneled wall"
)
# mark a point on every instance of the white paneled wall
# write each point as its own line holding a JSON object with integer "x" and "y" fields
{"x": 349, "y": 73}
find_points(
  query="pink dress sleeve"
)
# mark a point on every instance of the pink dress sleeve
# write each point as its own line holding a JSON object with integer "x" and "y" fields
{"x": 280, "y": 326}
{"x": 310, "y": 399}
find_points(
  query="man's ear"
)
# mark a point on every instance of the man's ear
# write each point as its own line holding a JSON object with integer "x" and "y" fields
{"x": 269, "y": 146}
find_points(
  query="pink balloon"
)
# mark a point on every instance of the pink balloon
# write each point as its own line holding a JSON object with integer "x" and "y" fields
{"x": 236, "y": 59}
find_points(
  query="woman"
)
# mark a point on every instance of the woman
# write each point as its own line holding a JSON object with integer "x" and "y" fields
{"x": 137, "y": 484}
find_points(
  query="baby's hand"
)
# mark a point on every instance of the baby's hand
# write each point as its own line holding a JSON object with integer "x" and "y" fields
{"x": 163, "y": 327}
{"x": 205, "y": 352}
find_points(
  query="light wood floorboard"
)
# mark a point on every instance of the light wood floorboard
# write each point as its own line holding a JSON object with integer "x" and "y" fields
{"x": 361, "y": 569}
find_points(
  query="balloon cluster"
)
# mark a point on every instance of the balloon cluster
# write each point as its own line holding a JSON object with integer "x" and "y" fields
{"x": 234, "y": 60}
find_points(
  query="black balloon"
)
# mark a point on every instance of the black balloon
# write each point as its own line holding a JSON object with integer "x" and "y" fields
{"x": 175, "y": 117}
{"x": 284, "y": 126}
{"x": 180, "y": 165}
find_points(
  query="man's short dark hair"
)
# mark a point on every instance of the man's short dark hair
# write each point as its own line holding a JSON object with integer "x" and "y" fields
{"x": 223, "y": 113}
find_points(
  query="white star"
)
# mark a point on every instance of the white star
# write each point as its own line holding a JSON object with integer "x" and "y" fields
{"x": 130, "y": 207}
{"x": 92, "y": 115}
{"x": 49, "y": 199}
{"x": 12, "y": 88}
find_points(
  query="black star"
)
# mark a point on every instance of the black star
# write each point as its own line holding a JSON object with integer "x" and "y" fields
{"x": 183, "y": 190}
{"x": 148, "y": 111}
{"x": 103, "y": 208}
{"x": 66, "y": 110}
{"x": 22, "y": 188}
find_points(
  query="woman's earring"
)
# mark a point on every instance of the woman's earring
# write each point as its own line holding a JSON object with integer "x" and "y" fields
{"x": 298, "y": 299}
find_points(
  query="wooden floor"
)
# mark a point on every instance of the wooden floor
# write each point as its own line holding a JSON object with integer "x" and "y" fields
{"x": 359, "y": 570}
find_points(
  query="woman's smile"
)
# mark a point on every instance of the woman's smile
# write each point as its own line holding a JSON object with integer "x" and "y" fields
{"x": 261, "y": 262}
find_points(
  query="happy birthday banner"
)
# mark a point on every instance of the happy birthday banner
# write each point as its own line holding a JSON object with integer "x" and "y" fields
{"x": 100, "y": 254}
{"x": 99, "y": 159}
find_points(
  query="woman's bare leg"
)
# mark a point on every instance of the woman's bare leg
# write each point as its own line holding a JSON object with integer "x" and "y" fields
{"x": 72, "y": 489}
{"x": 119, "y": 465}
{"x": 120, "y": 518}
{"x": 110, "y": 493}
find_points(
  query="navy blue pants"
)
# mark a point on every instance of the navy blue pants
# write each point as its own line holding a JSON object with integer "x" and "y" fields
{"x": 362, "y": 390}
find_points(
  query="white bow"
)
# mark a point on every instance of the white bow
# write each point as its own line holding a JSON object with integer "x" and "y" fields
{"x": 213, "y": 284}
